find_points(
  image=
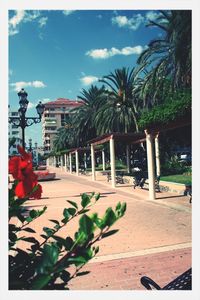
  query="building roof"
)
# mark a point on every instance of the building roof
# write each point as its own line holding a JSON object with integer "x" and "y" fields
{"x": 63, "y": 102}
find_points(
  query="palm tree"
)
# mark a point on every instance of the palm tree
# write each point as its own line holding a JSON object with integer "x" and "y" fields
{"x": 83, "y": 120}
{"x": 65, "y": 138}
{"x": 120, "y": 112}
{"x": 170, "y": 56}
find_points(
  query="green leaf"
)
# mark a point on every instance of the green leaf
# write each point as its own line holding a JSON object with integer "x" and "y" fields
{"x": 72, "y": 211}
{"x": 40, "y": 281}
{"x": 77, "y": 260}
{"x": 97, "y": 196}
{"x": 96, "y": 249}
{"x": 44, "y": 236}
{"x": 69, "y": 243}
{"x": 28, "y": 230}
{"x": 86, "y": 224}
{"x": 33, "y": 213}
{"x": 48, "y": 231}
{"x": 123, "y": 208}
{"x": 30, "y": 240}
{"x": 85, "y": 200}
{"x": 110, "y": 217}
{"x": 29, "y": 219}
{"x": 111, "y": 232}
{"x": 55, "y": 221}
{"x": 118, "y": 206}
{"x": 82, "y": 273}
{"x": 73, "y": 203}
{"x": 66, "y": 214}
{"x": 65, "y": 276}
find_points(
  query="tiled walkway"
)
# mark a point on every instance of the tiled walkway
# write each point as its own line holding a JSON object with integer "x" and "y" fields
{"x": 154, "y": 237}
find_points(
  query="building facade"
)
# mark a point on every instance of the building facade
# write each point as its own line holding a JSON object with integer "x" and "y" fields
{"x": 14, "y": 132}
{"x": 54, "y": 117}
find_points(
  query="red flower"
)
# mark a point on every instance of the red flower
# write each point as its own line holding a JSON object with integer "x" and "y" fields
{"x": 22, "y": 170}
{"x": 25, "y": 188}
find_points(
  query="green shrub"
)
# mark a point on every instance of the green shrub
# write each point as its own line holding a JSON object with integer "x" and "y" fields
{"x": 173, "y": 166}
{"x": 45, "y": 265}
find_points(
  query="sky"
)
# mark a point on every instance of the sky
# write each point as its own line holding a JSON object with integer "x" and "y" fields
{"x": 57, "y": 53}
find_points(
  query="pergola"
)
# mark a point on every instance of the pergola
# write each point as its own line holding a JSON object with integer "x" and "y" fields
{"x": 150, "y": 136}
{"x": 129, "y": 139}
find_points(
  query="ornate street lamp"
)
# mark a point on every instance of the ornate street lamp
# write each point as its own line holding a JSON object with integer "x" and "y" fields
{"x": 23, "y": 121}
{"x": 30, "y": 145}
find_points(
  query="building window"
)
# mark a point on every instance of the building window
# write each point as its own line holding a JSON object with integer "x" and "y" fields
{"x": 14, "y": 114}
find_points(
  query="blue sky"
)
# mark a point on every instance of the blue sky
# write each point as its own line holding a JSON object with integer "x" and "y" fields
{"x": 56, "y": 53}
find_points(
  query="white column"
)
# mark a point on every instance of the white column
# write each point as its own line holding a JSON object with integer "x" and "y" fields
{"x": 112, "y": 162}
{"x": 65, "y": 162}
{"x": 70, "y": 163}
{"x": 157, "y": 154}
{"x": 128, "y": 158}
{"x": 77, "y": 163}
{"x": 103, "y": 160}
{"x": 48, "y": 162}
{"x": 150, "y": 162}
{"x": 85, "y": 161}
{"x": 93, "y": 162}
{"x": 61, "y": 162}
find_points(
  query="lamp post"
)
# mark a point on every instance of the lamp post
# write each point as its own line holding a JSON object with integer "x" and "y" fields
{"x": 23, "y": 121}
{"x": 30, "y": 145}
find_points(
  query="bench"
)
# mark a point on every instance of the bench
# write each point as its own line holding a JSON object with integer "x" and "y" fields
{"x": 140, "y": 178}
{"x": 119, "y": 177}
{"x": 182, "y": 282}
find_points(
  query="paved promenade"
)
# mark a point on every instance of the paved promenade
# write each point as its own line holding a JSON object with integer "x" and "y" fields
{"x": 154, "y": 237}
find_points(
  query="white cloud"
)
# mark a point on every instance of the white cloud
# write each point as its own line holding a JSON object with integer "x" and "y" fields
{"x": 31, "y": 105}
{"x": 106, "y": 53}
{"x": 17, "y": 18}
{"x": 152, "y": 15}
{"x": 132, "y": 23}
{"x": 31, "y": 15}
{"x": 15, "y": 21}
{"x": 87, "y": 80}
{"x": 68, "y": 12}
{"x": 22, "y": 84}
{"x": 42, "y": 21}
{"x": 45, "y": 100}
{"x": 25, "y": 16}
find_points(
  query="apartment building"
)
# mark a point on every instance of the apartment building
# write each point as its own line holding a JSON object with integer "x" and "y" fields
{"x": 14, "y": 132}
{"x": 54, "y": 117}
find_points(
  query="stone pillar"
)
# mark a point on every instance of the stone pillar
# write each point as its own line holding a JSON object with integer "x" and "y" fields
{"x": 48, "y": 163}
{"x": 65, "y": 162}
{"x": 128, "y": 158}
{"x": 70, "y": 163}
{"x": 93, "y": 162}
{"x": 77, "y": 163}
{"x": 103, "y": 160}
{"x": 112, "y": 162}
{"x": 85, "y": 161}
{"x": 150, "y": 163}
{"x": 54, "y": 161}
{"x": 61, "y": 162}
{"x": 157, "y": 154}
